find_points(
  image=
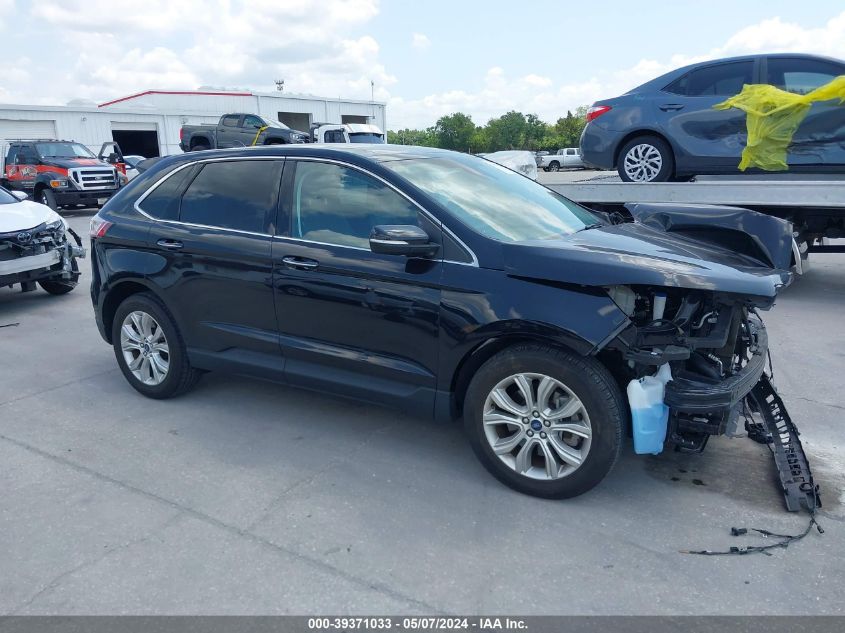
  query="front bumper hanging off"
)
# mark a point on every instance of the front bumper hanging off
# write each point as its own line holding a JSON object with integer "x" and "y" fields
{"x": 769, "y": 423}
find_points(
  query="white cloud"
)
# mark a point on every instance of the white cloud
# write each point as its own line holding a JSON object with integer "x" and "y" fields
{"x": 550, "y": 99}
{"x": 316, "y": 46}
{"x": 420, "y": 41}
{"x": 311, "y": 44}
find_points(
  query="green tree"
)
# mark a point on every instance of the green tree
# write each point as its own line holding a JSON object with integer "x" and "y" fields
{"x": 454, "y": 131}
{"x": 508, "y": 131}
{"x": 412, "y": 137}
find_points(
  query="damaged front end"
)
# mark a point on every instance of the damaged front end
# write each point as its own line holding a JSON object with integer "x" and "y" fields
{"x": 40, "y": 254}
{"x": 716, "y": 346}
{"x": 715, "y": 342}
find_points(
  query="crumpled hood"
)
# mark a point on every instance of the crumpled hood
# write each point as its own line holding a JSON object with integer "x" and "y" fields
{"x": 20, "y": 216}
{"x": 635, "y": 254}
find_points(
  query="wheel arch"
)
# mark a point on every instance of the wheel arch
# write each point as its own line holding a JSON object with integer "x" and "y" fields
{"x": 116, "y": 295}
{"x": 486, "y": 349}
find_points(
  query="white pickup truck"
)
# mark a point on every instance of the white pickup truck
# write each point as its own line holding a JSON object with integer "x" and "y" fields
{"x": 566, "y": 158}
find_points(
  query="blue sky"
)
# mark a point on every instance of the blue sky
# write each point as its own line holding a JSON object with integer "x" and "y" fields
{"x": 426, "y": 58}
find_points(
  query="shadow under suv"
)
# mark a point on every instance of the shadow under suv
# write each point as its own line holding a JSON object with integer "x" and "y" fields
{"x": 442, "y": 284}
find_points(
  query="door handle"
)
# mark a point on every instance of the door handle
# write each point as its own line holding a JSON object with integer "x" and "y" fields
{"x": 300, "y": 263}
{"x": 666, "y": 107}
{"x": 173, "y": 245}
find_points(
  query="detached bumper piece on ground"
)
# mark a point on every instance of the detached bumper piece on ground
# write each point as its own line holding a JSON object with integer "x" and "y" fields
{"x": 778, "y": 431}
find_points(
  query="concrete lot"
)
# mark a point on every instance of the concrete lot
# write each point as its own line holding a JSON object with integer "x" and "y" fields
{"x": 245, "y": 497}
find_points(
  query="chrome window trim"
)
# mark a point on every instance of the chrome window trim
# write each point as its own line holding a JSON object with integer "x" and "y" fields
{"x": 158, "y": 183}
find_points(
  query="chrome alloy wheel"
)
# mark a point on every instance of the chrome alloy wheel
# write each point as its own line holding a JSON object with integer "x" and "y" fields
{"x": 537, "y": 426}
{"x": 643, "y": 162}
{"x": 145, "y": 348}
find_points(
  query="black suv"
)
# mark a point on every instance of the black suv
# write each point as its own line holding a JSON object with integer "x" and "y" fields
{"x": 442, "y": 284}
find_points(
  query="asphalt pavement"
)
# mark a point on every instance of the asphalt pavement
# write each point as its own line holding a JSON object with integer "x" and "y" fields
{"x": 247, "y": 497}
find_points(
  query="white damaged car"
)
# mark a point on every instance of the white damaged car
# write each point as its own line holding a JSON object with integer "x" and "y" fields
{"x": 36, "y": 246}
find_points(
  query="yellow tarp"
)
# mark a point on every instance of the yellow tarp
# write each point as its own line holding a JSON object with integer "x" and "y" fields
{"x": 772, "y": 116}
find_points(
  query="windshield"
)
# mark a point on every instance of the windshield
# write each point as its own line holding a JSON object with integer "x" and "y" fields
{"x": 493, "y": 200}
{"x": 6, "y": 197}
{"x": 274, "y": 123}
{"x": 366, "y": 137}
{"x": 63, "y": 150}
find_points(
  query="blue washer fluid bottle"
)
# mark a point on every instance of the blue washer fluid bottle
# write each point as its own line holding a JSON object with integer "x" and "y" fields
{"x": 649, "y": 414}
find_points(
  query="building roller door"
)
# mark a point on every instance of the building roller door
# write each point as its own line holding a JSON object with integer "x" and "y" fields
{"x": 17, "y": 128}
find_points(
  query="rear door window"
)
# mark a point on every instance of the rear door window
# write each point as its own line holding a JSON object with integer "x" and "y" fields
{"x": 717, "y": 80}
{"x": 230, "y": 120}
{"x": 801, "y": 75}
{"x": 239, "y": 195}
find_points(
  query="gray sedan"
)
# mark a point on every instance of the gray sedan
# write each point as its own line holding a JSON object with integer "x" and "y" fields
{"x": 667, "y": 128}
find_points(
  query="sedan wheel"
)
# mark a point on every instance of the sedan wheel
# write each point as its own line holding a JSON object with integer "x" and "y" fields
{"x": 145, "y": 348}
{"x": 643, "y": 163}
{"x": 537, "y": 426}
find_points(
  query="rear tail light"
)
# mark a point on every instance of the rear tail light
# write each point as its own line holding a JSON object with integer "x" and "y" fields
{"x": 180, "y": 134}
{"x": 99, "y": 227}
{"x": 596, "y": 111}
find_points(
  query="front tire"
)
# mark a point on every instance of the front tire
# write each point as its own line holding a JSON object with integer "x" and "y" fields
{"x": 554, "y": 166}
{"x": 62, "y": 287}
{"x": 149, "y": 348}
{"x": 571, "y": 443}
{"x": 645, "y": 159}
{"x": 47, "y": 197}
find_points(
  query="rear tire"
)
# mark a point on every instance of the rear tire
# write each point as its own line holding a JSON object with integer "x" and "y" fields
{"x": 645, "y": 159}
{"x": 200, "y": 147}
{"x": 571, "y": 444}
{"x": 152, "y": 343}
{"x": 47, "y": 197}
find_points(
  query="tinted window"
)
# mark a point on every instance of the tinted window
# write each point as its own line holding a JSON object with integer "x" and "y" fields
{"x": 26, "y": 155}
{"x": 339, "y": 205}
{"x": 163, "y": 201}
{"x": 230, "y": 120}
{"x": 801, "y": 75}
{"x": 233, "y": 194}
{"x": 253, "y": 122}
{"x": 570, "y": 152}
{"x": 721, "y": 79}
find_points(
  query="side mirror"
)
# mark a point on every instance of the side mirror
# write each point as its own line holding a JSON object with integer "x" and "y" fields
{"x": 401, "y": 239}
{"x": 20, "y": 195}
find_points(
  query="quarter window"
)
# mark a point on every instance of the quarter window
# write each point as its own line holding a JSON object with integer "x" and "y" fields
{"x": 801, "y": 75}
{"x": 163, "y": 201}
{"x": 239, "y": 195}
{"x": 339, "y": 205}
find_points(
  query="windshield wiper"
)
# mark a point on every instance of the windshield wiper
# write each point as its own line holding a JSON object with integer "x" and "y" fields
{"x": 596, "y": 225}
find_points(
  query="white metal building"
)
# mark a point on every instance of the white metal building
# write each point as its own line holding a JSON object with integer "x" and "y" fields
{"x": 147, "y": 123}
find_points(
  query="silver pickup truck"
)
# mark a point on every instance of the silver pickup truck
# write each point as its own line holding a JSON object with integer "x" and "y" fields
{"x": 569, "y": 157}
